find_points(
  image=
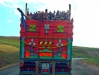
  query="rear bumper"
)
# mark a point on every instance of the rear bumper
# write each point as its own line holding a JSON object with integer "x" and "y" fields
{"x": 26, "y": 73}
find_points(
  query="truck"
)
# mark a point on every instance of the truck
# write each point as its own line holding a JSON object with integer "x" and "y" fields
{"x": 45, "y": 44}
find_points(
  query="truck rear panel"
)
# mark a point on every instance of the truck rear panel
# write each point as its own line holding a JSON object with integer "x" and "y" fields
{"x": 47, "y": 42}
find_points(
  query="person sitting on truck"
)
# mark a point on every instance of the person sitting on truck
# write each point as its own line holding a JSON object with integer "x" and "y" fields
{"x": 40, "y": 15}
{"x": 68, "y": 15}
{"x": 54, "y": 15}
{"x": 50, "y": 15}
{"x": 58, "y": 15}
{"x": 30, "y": 16}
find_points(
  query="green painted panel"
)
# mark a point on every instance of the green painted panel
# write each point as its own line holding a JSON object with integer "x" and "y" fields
{"x": 45, "y": 51}
{"x": 69, "y": 49}
{"x": 22, "y": 44}
{"x": 22, "y": 50}
{"x": 45, "y": 57}
{"x": 60, "y": 28}
{"x": 58, "y": 57}
{"x": 32, "y": 28}
{"x": 33, "y": 56}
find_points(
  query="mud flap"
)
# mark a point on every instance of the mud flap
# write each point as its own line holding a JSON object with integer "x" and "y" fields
{"x": 53, "y": 67}
{"x": 37, "y": 64}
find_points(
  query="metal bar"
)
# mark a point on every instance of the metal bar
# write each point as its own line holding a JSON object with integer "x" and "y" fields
{"x": 69, "y": 50}
{"x": 26, "y": 10}
{"x": 22, "y": 48}
{"x": 22, "y": 18}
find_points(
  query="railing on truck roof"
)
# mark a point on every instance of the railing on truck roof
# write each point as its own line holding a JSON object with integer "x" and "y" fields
{"x": 45, "y": 15}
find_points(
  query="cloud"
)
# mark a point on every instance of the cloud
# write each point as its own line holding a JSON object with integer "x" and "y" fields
{"x": 10, "y": 21}
{"x": 54, "y": 4}
{"x": 84, "y": 12}
{"x": 13, "y": 4}
{"x": 30, "y": 1}
{"x": 17, "y": 12}
{"x": 86, "y": 24}
{"x": 50, "y": 4}
{"x": 2, "y": 3}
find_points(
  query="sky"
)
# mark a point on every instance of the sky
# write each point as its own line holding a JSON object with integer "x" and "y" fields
{"x": 84, "y": 12}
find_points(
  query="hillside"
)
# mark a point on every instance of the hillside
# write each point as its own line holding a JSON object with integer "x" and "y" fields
{"x": 9, "y": 52}
{"x": 84, "y": 52}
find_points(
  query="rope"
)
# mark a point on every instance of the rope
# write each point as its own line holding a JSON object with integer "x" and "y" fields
{"x": 47, "y": 47}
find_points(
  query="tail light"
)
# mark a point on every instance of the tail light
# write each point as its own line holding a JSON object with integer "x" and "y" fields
{"x": 30, "y": 69}
{"x": 33, "y": 68}
{"x": 21, "y": 64}
{"x": 45, "y": 70}
{"x": 51, "y": 69}
{"x": 65, "y": 70}
{"x": 60, "y": 69}
{"x": 39, "y": 69}
{"x": 27, "y": 54}
{"x": 24, "y": 68}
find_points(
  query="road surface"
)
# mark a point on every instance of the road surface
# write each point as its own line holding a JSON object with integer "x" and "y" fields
{"x": 78, "y": 68}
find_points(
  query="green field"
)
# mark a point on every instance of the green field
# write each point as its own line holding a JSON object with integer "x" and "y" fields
{"x": 9, "y": 52}
{"x": 84, "y": 52}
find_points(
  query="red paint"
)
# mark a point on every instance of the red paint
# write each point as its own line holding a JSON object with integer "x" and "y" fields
{"x": 21, "y": 64}
{"x": 52, "y": 36}
{"x": 64, "y": 56}
{"x": 27, "y": 54}
{"x": 45, "y": 70}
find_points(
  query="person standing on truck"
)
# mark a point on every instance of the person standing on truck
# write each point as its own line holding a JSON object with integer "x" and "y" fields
{"x": 46, "y": 14}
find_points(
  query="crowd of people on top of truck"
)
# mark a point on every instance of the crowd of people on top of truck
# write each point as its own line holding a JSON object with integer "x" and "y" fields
{"x": 56, "y": 15}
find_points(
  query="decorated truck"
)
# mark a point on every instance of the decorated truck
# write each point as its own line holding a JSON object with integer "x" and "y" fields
{"x": 45, "y": 43}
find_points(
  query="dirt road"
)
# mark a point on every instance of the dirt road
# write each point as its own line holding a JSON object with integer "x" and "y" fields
{"x": 78, "y": 68}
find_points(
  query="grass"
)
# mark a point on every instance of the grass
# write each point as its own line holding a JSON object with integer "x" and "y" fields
{"x": 93, "y": 61}
{"x": 84, "y": 52}
{"x": 8, "y": 55}
{"x": 9, "y": 52}
{"x": 13, "y": 41}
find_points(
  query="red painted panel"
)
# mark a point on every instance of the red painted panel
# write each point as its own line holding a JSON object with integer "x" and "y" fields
{"x": 22, "y": 34}
{"x": 55, "y": 28}
{"x": 52, "y": 35}
{"x": 69, "y": 30}
{"x": 32, "y": 34}
{"x": 32, "y": 22}
{"x": 60, "y": 35}
{"x": 22, "y": 28}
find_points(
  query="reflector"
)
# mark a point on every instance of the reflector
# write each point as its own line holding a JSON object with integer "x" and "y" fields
{"x": 21, "y": 64}
{"x": 50, "y": 69}
{"x": 45, "y": 70}
{"x": 27, "y": 54}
